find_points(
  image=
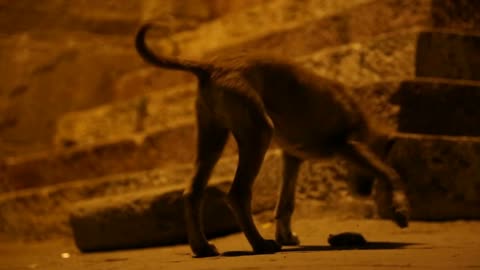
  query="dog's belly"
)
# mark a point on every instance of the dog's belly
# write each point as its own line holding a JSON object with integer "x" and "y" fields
{"x": 305, "y": 148}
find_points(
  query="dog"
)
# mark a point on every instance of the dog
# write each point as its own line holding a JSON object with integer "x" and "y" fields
{"x": 260, "y": 98}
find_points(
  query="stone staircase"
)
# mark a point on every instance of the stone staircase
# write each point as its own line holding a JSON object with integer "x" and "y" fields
{"x": 413, "y": 64}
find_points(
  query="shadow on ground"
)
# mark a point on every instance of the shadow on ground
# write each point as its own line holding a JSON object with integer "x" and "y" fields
{"x": 313, "y": 248}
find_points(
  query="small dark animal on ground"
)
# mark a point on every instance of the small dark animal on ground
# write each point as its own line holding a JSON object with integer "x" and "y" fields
{"x": 257, "y": 99}
{"x": 347, "y": 239}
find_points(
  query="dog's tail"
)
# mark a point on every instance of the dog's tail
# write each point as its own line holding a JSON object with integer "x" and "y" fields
{"x": 164, "y": 61}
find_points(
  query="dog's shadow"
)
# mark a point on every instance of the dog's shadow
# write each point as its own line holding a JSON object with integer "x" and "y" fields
{"x": 313, "y": 248}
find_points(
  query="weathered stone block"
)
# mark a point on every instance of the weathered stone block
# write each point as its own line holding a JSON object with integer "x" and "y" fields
{"x": 442, "y": 175}
{"x": 154, "y": 217}
{"x": 428, "y": 106}
{"x": 438, "y": 107}
{"x": 161, "y": 148}
{"x": 448, "y": 55}
{"x": 158, "y": 110}
{"x": 41, "y": 213}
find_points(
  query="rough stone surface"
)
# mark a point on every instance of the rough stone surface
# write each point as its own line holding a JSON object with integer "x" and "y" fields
{"x": 438, "y": 107}
{"x": 157, "y": 110}
{"x": 162, "y": 148}
{"x": 154, "y": 217}
{"x": 40, "y": 213}
{"x": 448, "y": 55}
{"x": 442, "y": 175}
{"x": 423, "y": 105}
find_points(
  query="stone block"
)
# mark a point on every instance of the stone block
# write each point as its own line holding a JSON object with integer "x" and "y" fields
{"x": 161, "y": 148}
{"x": 42, "y": 213}
{"x": 154, "y": 217}
{"x": 157, "y": 110}
{"x": 438, "y": 107}
{"x": 424, "y": 105}
{"x": 442, "y": 175}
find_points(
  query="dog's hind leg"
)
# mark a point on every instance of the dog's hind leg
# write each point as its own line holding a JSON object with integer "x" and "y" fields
{"x": 286, "y": 201}
{"x": 253, "y": 131}
{"x": 361, "y": 155}
{"x": 211, "y": 139}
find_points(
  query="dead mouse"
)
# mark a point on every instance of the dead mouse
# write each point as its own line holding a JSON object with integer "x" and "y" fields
{"x": 346, "y": 239}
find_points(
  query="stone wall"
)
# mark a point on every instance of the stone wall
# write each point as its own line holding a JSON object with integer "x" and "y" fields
{"x": 60, "y": 56}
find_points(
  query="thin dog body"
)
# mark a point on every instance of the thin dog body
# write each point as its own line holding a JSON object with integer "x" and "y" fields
{"x": 258, "y": 99}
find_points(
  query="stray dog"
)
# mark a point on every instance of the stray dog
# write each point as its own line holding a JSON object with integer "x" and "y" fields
{"x": 257, "y": 99}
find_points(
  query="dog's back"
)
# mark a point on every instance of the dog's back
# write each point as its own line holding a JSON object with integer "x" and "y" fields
{"x": 311, "y": 115}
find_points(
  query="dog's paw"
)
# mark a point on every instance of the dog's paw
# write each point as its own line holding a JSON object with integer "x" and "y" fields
{"x": 287, "y": 239}
{"x": 400, "y": 209}
{"x": 205, "y": 251}
{"x": 267, "y": 247}
{"x": 400, "y": 217}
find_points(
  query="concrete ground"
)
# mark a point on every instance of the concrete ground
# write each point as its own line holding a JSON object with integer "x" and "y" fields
{"x": 438, "y": 245}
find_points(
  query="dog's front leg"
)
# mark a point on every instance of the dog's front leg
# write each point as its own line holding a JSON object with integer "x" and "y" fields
{"x": 286, "y": 201}
{"x": 253, "y": 142}
{"x": 211, "y": 139}
{"x": 360, "y": 154}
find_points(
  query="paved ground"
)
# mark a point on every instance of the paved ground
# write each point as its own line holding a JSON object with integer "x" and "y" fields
{"x": 448, "y": 245}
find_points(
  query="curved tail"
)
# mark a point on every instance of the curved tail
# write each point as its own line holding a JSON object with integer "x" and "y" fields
{"x": 164, "y": 61}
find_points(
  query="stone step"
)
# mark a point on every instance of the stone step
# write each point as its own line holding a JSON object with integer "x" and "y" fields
{"x": 39, "y": 213}
{"x": 434, "y": 106}
{"x": 441, "y": 174}
{"x": 329, "y": 24}
{"x": 157, "y": 110}
{"x": 148, "y": 218}
{"x": 396, "y": 56}
{"x": 424, "y": 105}
{"x": 161, "y": 148}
